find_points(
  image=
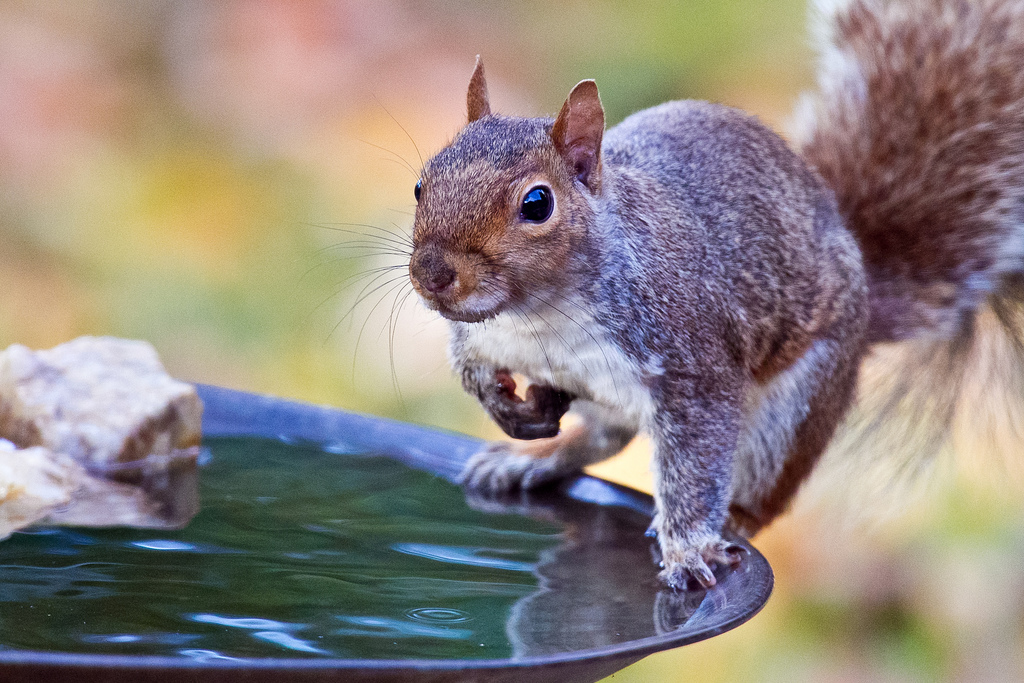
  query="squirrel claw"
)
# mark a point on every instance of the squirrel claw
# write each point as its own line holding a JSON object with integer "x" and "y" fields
{"x": 680, "y": 576}
{"x": 505, "y": 386}
{"x": 652, "y": 528}
{"x": 694, "y": 562}
{"x": 735, "y": 554}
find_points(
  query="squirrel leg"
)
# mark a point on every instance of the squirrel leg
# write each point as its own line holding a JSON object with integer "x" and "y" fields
{"x": 790, "y": 421}
{"x": 504, "y": 466}
{"x": 695, "y": 434}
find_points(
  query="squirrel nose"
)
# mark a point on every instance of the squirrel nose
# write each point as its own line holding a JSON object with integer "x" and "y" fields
{"x": 433, "y": 273}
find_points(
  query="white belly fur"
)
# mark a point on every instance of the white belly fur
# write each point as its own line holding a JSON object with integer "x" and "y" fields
{"x": 573, "y": 355}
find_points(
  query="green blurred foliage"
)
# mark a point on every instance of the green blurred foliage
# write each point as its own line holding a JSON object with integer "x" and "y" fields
{"x": 203, "y": 175}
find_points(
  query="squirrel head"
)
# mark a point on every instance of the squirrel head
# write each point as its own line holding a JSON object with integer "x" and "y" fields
{"x": 502, "y": 211}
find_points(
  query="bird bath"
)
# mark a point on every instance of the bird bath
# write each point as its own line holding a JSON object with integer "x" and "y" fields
{"x": 334, "y": 547}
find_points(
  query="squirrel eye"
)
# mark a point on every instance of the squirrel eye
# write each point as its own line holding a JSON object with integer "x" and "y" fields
{"x": 416, "y": 190}
{"x": 537, "y": 205}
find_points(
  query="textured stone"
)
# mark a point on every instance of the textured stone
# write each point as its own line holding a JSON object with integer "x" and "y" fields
{"x": 97, "y": 399}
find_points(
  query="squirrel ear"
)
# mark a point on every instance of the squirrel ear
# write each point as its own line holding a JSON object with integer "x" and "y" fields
{"x": 476, "y": 99}
{"x": 577, "y": 133}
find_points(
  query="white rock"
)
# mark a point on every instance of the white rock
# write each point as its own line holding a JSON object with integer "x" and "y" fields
{"x": 96, "y": 399}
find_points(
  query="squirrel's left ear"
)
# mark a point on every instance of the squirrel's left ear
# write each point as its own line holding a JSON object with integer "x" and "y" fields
{"x": 477, "y": 103}
{"x": 577, "y": 133}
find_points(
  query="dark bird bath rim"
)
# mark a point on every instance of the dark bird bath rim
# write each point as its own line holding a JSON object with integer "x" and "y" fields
{"x": 739, "y": 596}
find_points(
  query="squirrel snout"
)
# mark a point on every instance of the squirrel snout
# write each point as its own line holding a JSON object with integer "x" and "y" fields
{"x": 432, "y": 272}
{"x": 448, "y": 281}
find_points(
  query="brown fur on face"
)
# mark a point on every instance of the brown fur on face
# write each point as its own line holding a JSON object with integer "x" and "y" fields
{"x": 468, "y": 220}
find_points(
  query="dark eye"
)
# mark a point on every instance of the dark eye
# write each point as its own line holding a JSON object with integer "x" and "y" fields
{"x": 416, "y": 190}
{"x": 537, "y": 205}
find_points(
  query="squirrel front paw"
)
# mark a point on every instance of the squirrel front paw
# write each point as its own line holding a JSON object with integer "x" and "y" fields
{"x": 693, "y": 558}
{"x": 535, "y": 417}
{"x": 500, "y": 468}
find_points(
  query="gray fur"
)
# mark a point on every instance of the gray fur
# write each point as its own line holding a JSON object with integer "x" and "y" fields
{"x": 710, "y": 260}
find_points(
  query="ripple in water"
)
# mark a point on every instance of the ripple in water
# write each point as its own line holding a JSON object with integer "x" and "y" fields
{"x": 438, "y": 615}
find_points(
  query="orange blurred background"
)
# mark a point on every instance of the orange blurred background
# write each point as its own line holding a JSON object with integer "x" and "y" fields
{"x": 204, "y": 176}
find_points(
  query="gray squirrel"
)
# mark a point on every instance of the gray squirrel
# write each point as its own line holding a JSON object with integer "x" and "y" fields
{"x": 689, "y": 275}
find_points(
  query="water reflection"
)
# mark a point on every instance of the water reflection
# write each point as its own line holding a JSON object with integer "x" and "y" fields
{"x": 398, "y": 628}
{"x": 289, "y": 642}
{"x": 598, "y": 587}
{"x": 475, "y": 557}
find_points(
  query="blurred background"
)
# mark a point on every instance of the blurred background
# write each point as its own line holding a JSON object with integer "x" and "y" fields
{"x": 221, "y": 179}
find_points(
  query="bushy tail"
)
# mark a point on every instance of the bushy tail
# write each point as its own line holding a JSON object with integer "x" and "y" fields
{"x": 918, "y": 126}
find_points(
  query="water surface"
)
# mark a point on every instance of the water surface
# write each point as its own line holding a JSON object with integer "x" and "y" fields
{"x": 298, "y": 552}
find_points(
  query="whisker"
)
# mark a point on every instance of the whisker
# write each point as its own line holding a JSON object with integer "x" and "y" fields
{"x": 342, "y": 259}
{"x": 414, "y": 146}
{"x": 536, "y": 337}
{"x": 403, "y": 164}
{"x": 554, "y": 330}
{"x": 398, "y": 227}
{"x": 562, "y": 298}
{"x": 408, "y": 166}
{"x": 362, "y": 297}
{"x": 383, "y": 272}
{"x": 598, "y": 344}
{"x": 368, "y": 249}
{"x": 387, "y": 326}
{"x": 396, "y": 312}
{"x": 359, "y": 337}
{"x": 526, "y": 320}
{"x": 396, "y": 238}
{"x": 401, "y": 234}
{"x": 348, "y": 282}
